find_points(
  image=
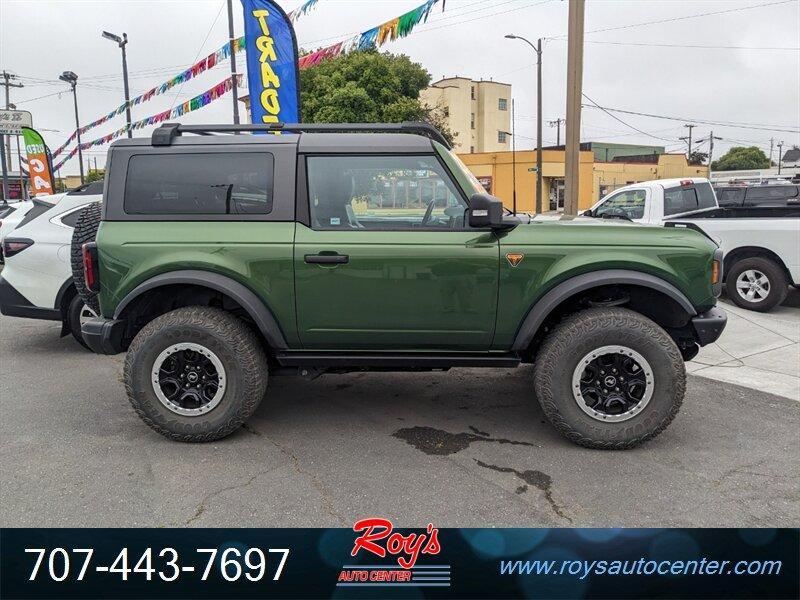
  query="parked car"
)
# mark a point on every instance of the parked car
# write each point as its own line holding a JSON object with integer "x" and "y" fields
{"x": 36, "y": 280}
{"x": 761, "y": 243}
{"x": 763, "y": 196}
{"x": 222, "y": 260}
{"x": 651, "y": 202}
{"x": 13, "y": 214}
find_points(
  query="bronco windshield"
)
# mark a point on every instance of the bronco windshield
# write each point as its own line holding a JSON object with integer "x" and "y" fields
{"x": 466, "y": 179}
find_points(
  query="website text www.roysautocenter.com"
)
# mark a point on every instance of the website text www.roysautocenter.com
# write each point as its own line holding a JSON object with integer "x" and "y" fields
{"x": 643, "y": 566}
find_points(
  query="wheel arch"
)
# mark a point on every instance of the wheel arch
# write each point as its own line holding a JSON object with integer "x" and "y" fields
{"x": 742, "y": 252}
{"x": 577, "y": 287}
{"x": 223, "y": 285}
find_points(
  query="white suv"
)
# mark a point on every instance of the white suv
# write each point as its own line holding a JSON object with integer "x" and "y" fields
{"x": 36, "y": 281}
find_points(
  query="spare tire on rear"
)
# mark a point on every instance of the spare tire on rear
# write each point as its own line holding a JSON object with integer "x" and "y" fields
{"x": 85, "y": 231}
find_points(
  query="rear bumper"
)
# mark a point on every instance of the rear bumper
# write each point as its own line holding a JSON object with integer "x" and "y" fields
{"x": 104, "y": 336}
{"x": 14, "y": 304}
{"x": 708, "y": 326}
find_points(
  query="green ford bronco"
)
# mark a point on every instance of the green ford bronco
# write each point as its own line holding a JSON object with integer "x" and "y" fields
{"x": 233, "y": 255}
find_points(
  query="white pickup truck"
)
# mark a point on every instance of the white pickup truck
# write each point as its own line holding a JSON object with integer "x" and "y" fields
{"x": 761, "y": 245}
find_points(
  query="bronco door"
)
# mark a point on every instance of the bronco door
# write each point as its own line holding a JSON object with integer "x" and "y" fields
{"x": 386, "y": 259}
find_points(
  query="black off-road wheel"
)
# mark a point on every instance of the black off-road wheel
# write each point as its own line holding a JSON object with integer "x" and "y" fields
{"x": 756, "y": 283}
{"x": 85, "y": 231}
{"x": 609, "y": 378}
{"x": 195, "y": 374}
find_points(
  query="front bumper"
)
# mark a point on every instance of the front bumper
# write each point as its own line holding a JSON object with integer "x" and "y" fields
{"x": 708, "y": 326}
{"x": 104, "y": 336}
{"x": 14, "y": 304}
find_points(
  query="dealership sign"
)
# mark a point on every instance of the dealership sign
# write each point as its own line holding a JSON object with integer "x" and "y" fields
{"x": 12, "y": 121}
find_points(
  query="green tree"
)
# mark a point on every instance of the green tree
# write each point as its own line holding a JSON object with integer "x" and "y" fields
{"x": 367, "y": 87}
{"x": 698, "y": 158}
{"x": 739, "y": 158}
{"x": 95, "y": 175}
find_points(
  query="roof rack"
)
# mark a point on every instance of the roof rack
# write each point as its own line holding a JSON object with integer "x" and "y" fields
{"x": 166, "y": 133}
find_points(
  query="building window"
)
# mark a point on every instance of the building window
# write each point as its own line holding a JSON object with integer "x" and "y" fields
{"x": 502, "y": 104}
{"x": 472, "y": 121}
{"x": 446, "y": 111}
{"x": 501, "y": 137}
{"x": 472, "y": 92}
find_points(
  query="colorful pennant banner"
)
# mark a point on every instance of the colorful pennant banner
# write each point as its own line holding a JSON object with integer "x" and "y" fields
{"x": 201, "y": 66}
{"x": 391, "y": 30}
{"x": 377, "y": 36}
{"x": 195, "y": 103}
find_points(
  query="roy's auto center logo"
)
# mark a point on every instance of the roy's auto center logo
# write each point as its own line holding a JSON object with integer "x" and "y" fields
{"x": 402, "y": 553}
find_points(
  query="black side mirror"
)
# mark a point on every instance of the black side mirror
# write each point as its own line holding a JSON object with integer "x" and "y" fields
{"x": 485, "y": 211}
{"x": 587, "y": 213}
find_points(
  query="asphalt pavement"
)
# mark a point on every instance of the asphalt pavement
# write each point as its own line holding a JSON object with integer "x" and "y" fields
{"x": 467, "y": 448}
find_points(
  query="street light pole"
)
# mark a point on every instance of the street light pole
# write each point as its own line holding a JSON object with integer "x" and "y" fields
{"x": 780, "y": 155}
{"x": 538, "y": 49}
{"x": 72, "y": 79}
{"x": 122, "y": 42}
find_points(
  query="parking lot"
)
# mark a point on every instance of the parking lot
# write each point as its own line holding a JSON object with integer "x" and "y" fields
{"x": 465, "y": 448}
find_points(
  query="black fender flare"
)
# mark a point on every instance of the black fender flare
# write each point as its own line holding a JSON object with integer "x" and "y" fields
{"x": 244, "y": 296}
{"x": 579, "y": 283}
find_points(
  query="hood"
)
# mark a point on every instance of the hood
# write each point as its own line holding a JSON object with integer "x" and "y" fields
{"x": 589, "y": 231}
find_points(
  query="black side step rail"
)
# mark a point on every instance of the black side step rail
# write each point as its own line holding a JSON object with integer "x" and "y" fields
{"x": 397, "y": 360}
{"x": 166, "y": 133}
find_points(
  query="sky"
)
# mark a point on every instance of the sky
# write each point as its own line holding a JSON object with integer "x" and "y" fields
{"x": 738, "y": 67}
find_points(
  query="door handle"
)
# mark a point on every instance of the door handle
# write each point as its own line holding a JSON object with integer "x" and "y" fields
{"x": 327, "y": 259}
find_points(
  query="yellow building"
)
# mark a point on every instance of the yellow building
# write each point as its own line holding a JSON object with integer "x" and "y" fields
{"x": 478, "y": 112}
{"x": 494, "y": 170}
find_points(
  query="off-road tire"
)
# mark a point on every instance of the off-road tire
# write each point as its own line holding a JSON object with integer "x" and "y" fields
{"x": 234, "y": 344}
{"x": 777, "y": 281}
{"x": 580, "y": 334}
{"x": 74, "y": 319}
{"x": 85, "y": 231}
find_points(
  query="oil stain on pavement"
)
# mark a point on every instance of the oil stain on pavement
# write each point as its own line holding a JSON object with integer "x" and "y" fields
{"x": 437, "y": 442}
{"x": 537, "y": 479}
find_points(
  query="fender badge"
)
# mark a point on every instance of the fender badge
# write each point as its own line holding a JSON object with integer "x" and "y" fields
{"x": 514, "y": 258}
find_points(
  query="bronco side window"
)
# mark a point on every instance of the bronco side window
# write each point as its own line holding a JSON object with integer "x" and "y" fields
{"x": 199, "y": 184}
{"x": 382, "y": 192}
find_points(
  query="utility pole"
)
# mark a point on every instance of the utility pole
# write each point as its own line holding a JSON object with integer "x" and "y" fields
{"x": 72, "y": 79}
{"x": 690, "y": 137}
{"x": 122, "y": 42}
{"x": 574, "y": 91}
{"x": 771, "y": 141}
{"x": 7, "y": 77}
{"x": 234, "y": 76}
{"x": 557, "y": 124}
{"x": 780, "y": 155}
{"x": 711, "y": 139}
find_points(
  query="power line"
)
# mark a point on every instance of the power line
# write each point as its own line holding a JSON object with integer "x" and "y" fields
{"x": 683, "y": 18}
{"x": 658, "y": 137}
{"x": 693, "y": 46}
{"x": 40, "y": 97}
{"x": 756, "y": 126}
